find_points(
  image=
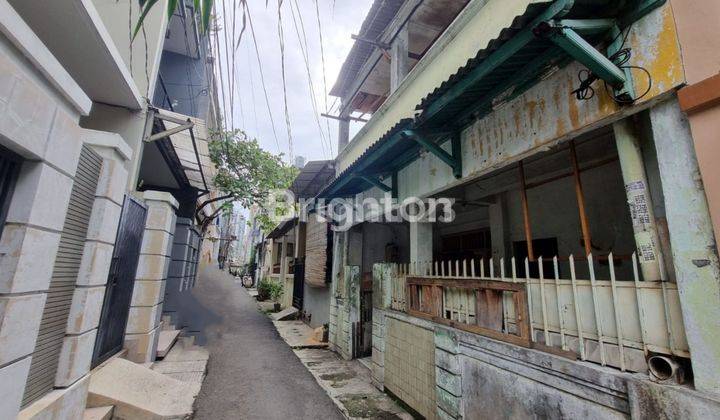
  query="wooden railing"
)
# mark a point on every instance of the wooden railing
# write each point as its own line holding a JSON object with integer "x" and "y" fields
{"x": 580, "y": 308}
{"x": 428, "y": 298}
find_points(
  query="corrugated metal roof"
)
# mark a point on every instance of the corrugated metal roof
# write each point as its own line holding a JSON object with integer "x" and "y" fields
{"x": 378, "y": 18}
{"x": 282, "y": 228}
{"x": 509, "y": 76}
{"x": 312, "y": 177}
{"x": 389, "y": 155}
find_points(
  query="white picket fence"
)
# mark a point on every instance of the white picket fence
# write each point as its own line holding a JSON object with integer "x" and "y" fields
{"x": 608, "y": 321}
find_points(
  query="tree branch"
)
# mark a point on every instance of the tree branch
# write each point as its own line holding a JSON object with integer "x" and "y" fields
{"x": 212, "y": 200}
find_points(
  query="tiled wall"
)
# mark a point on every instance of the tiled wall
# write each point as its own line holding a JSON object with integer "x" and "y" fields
{"x": 410, "y": 365}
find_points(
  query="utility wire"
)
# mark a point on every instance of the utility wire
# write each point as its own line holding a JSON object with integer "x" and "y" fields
{"x": 303, "y": 49}
{"x": 227, "y": 66}
{"x": 234, "y": 74}
{"x": 281, "y": 38}
{"x": 219, "y": 61}
{"x": 252, "y": 92}
{"x": 262, "y": 76}
{"x": 322, "y": 58}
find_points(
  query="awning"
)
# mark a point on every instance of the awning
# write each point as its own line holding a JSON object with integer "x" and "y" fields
{"x": 182, "y": 143}
{"x": 282, "y": 228}
{"x": 546, "y": 36}
{"x": 388, "y": 152}
{"x": 312, "y": 177}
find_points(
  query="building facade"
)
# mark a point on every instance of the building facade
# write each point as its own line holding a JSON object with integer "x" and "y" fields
{"x": 578, "y": 268}
{"x": 89, "y": 237}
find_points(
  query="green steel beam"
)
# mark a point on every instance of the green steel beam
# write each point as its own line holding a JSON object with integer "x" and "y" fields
{"x": 497, "y": 58}
{"x": 628, "y": 89}
{"x": 582, "y": 51}
{"x": 375, "y": 182}
{"x": 586, "y": 26}
{"x": 378, "y": 154}
{"x": 452, "y": 160}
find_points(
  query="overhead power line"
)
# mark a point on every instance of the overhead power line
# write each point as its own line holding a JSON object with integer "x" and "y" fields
{"x": 281, "y": 38}
{"x": 262, "y": 75}
{"x": 302, "y": 40}
{"x": 322, "y": 59}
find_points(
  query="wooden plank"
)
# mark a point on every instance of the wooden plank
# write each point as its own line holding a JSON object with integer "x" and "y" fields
{"x": 466, "y": 283}
{"x": 489, "y": 309}
{"x": 526, "y": 212}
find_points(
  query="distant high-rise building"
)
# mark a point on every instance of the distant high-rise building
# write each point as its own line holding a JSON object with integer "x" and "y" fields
{"x": 299, "y": 162}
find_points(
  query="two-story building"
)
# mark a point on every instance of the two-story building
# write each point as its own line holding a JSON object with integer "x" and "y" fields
{"x": 100, "y": 179}
{"x": 578, "y": 273}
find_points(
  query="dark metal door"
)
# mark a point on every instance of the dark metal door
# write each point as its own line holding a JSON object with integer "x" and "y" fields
{"x": 298, "y": 283}
{"x": 121, "y": 279}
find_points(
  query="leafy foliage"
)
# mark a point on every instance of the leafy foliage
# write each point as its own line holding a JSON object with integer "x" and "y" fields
{"x": 202, "y": 8}
{"x": 268, "y": 289}
{"x": 247, "y": 173}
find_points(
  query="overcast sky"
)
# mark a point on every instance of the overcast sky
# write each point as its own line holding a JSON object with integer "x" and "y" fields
{"x": 339, "y": 19}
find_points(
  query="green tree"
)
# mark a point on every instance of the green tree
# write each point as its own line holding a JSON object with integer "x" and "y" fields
{"x": 203, "y": 8}
{"x": 246, "y": 173}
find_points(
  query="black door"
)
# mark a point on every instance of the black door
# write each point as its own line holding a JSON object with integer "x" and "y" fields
{"x": 298, "y": 283}
{"x": 120, "y": 281}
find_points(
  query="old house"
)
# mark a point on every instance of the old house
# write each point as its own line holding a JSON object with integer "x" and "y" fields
{"x": 579, "y": 269}
{"x": 101, "y": 176}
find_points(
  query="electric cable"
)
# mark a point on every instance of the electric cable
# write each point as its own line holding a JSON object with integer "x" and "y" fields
{"x": 620, "y": 58}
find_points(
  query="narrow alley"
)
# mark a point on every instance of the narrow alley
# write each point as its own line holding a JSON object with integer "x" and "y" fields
{"x": 360, "y": 210}
{"x": 252, "y": 373}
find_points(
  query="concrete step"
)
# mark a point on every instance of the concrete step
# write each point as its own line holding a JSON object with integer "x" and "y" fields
{"x": 187, "y": 340}
{"x": 167, "y": 323}
{"x": 139, "y": 393}
{"x": 288, "y": 313}
{"x": 99, "y": 413}
{"x": 166, "y": 341}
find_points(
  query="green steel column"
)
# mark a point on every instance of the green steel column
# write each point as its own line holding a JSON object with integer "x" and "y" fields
{"x": 638, "y": 199}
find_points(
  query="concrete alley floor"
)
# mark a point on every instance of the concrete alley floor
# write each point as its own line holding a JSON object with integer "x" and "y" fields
{"x": 252, "y": 373}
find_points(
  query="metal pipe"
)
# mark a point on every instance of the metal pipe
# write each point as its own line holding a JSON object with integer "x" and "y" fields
{"x": 584, "y": 226}
{"x": 638, "y": 198}
{"x": 665, "y": 369}
{"x": 526, "y": 212}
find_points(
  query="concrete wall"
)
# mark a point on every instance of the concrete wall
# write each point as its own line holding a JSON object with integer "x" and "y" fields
{"x": 316, "y": 305}
{"x": 476, "y": 377}
{"x": 143, "y": 325}
{"x": 38, "y": 122}
{"x": 344, "y": 310}
{"x": 410, "y": 365}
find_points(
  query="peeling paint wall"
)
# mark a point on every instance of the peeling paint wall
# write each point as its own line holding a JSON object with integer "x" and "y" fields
{"x": 548, "y": 112}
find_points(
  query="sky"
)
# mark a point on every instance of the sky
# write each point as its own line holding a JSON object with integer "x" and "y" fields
{"x": 338, "y": 20}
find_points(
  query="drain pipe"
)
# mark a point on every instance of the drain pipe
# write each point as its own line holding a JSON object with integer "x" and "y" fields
{"x": 638, "y": 199}
{"x": 665, "y": 369}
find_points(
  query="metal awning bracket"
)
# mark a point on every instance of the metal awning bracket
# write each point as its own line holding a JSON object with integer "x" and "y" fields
{"x": 375, "y": 182}
{"x": 578, "y": 48}
{"x": 454, "y": 160}
{"x": 186, "y": 125}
